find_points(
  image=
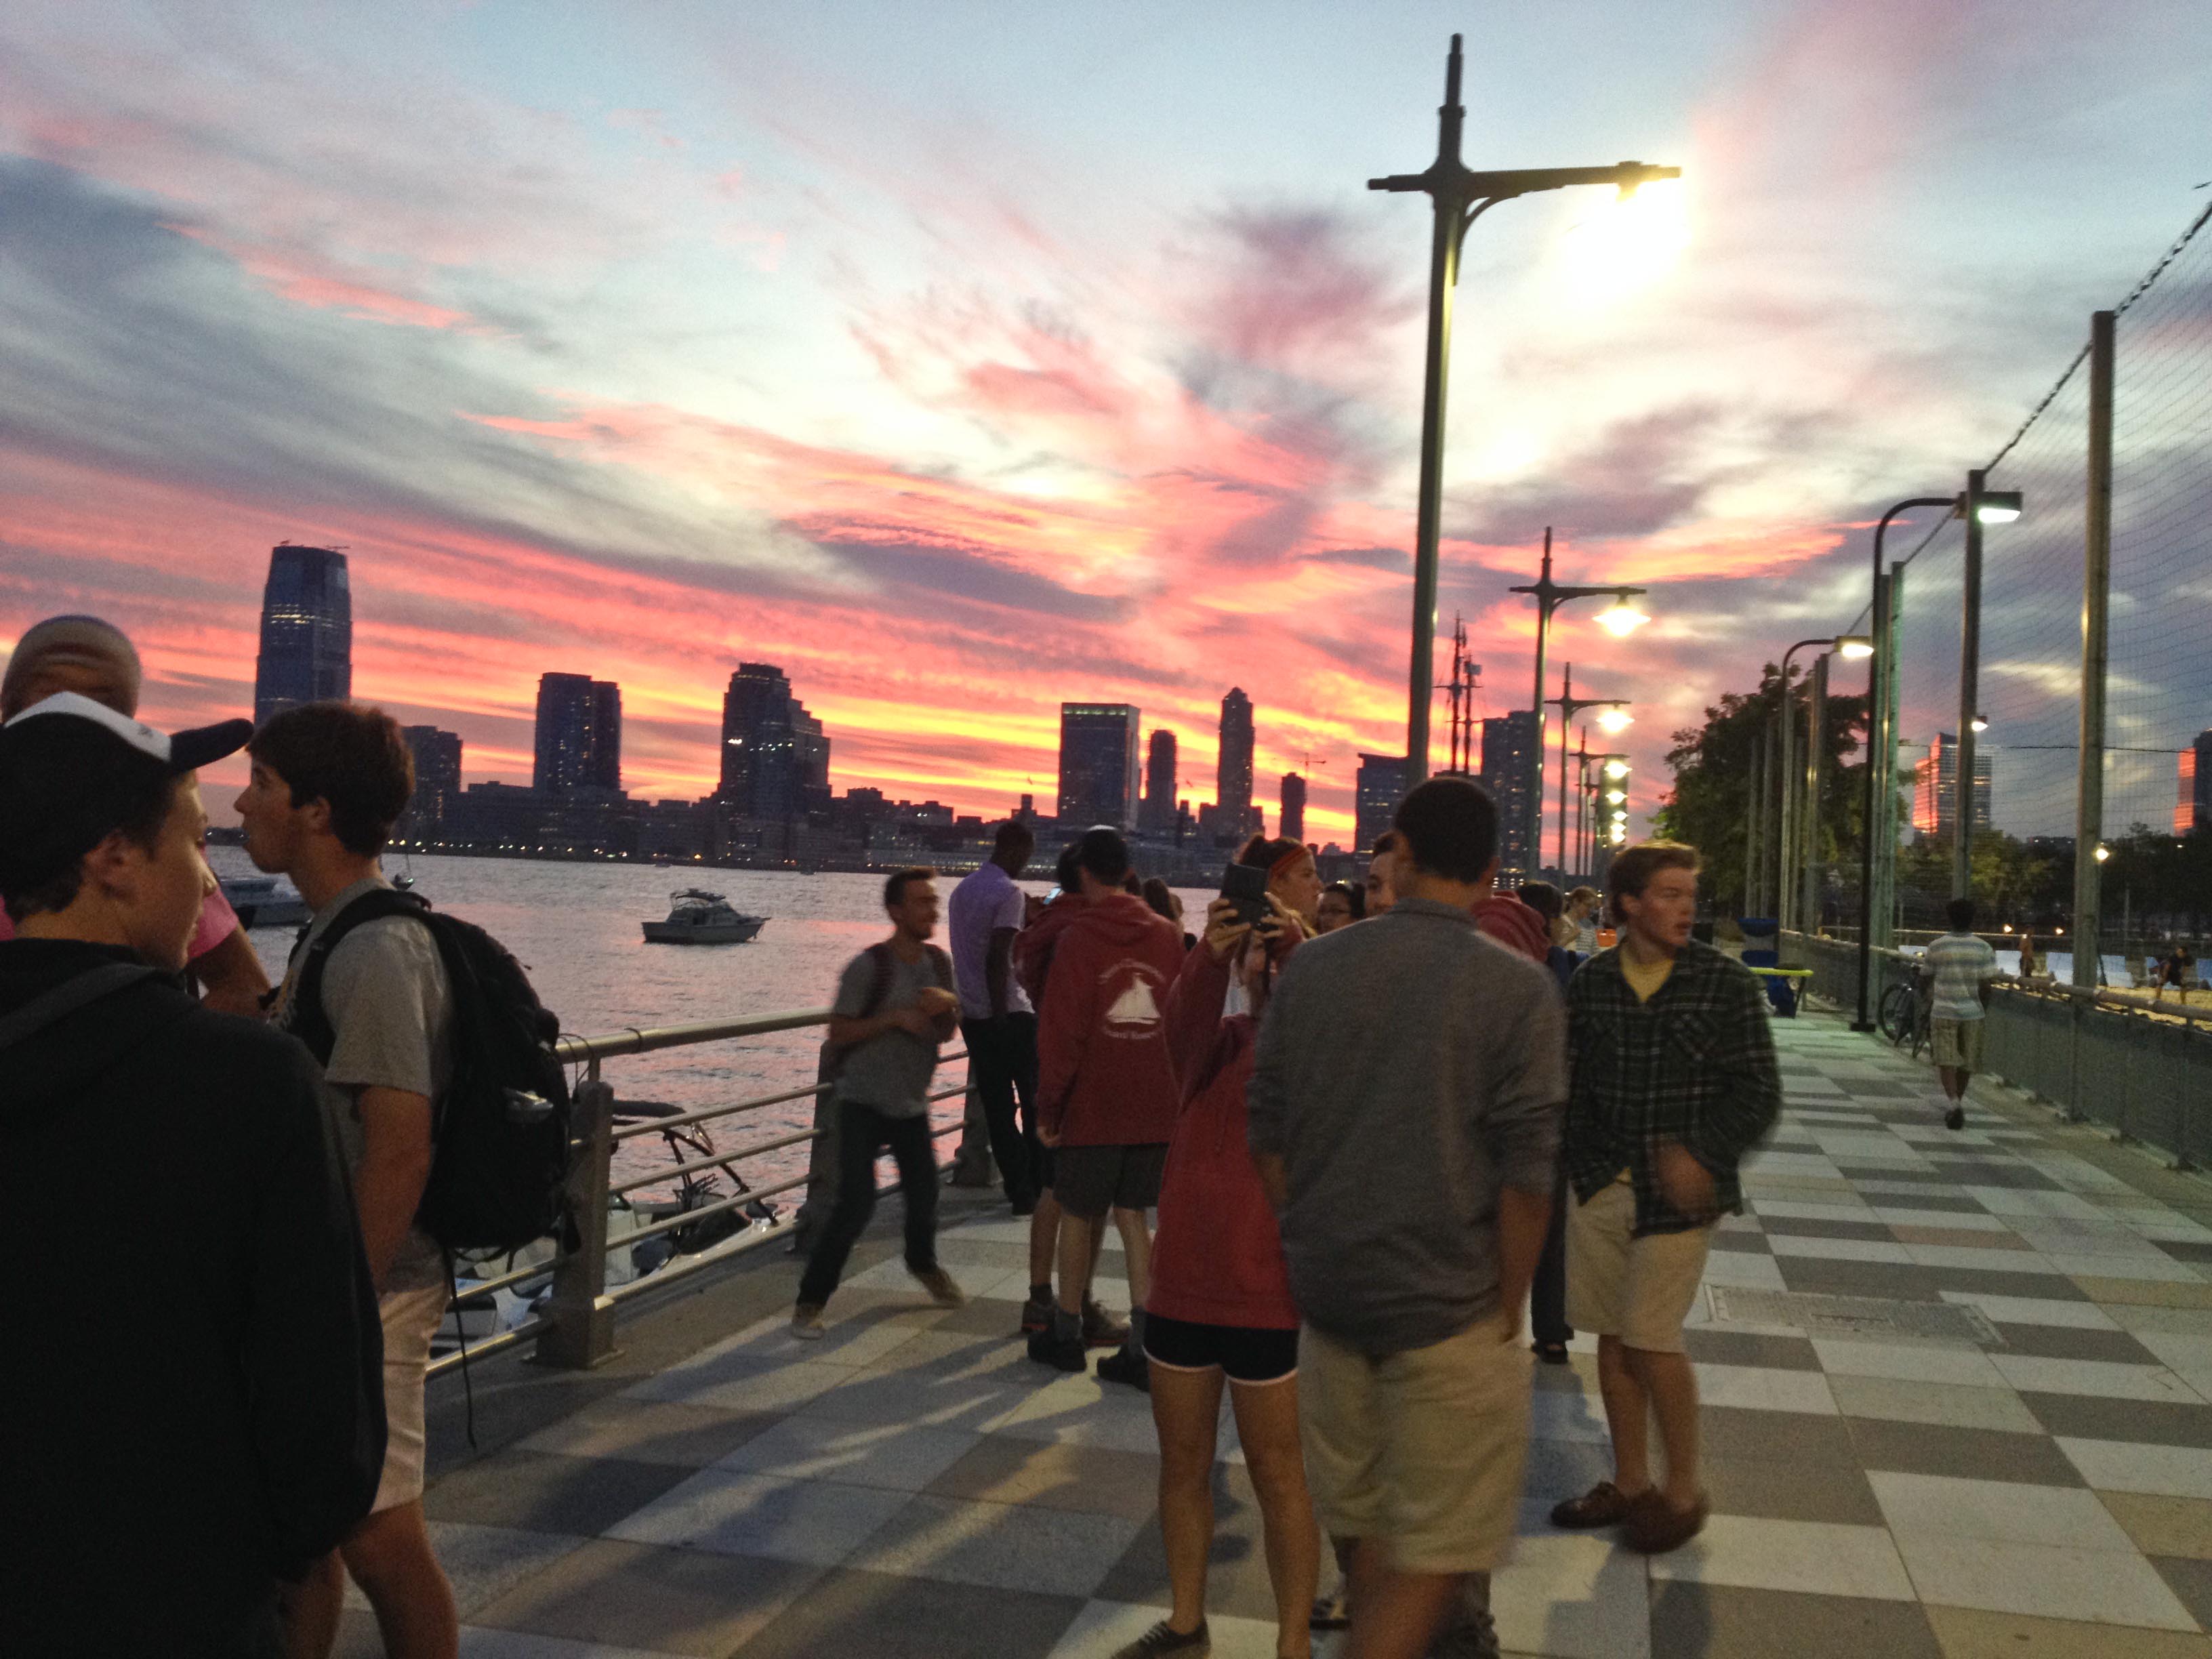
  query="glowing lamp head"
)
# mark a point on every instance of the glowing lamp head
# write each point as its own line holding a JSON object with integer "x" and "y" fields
{"x": 1616, "y": 769}
{"x": 2103, "y": 853}
{"x": 1979, "y": 723}
{"x": 1616, "y": 796}
{"x": 1611, "y": 720}
{"x": 1621, "y": 618}
{"x": 1998, "y": 506}
{"x": 1856, "y": 646}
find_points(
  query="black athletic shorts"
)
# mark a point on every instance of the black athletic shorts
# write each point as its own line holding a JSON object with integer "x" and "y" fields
{"x": 1246, "y": 1353}
{"x": 1089, "y": 1181}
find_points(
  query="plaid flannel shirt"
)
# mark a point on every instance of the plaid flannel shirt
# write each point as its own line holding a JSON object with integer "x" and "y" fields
{"x": 1695, "y": 1065}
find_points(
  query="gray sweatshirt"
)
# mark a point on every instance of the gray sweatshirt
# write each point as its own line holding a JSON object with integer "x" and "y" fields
{"x": 1408, "y": 1068}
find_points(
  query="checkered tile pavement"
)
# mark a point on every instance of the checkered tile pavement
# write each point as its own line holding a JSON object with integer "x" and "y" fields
{"x": 913, "y": 1486}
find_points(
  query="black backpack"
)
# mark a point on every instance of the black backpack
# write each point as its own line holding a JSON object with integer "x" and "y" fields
{"x": 882, "y": 967}
{"x": 498, "y": 1173}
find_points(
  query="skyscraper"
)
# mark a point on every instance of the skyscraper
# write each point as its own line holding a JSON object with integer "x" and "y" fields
{"x": 1382, "y": 786}
{"x": 1509, "y": 761}
{"x": 1232, "y": 785}
{"x": 2192, "y": 809}
{"x": 776, "y": 757}
{"x": 437, "y": 778}
{"x": 579, "y": 736}
{"x": 307, "y": 630}
{"x": 1099, "y": 764}
{"x": 1158, "y": 818}
{"x": 1935, "y": 791}
{"x": 1293, "y": 826}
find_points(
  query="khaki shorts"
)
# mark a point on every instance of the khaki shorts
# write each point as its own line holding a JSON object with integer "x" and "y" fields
{"x": 1957, "y": 1043}
{"x": 1639, "y": 1290}
{"x": 1422, "y": 1450}
{"x": 411, "y": 1319}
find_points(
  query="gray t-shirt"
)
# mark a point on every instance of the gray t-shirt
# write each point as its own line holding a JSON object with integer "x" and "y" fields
{"x": 386, "y": 995}
{"x": 890, "y": 1072}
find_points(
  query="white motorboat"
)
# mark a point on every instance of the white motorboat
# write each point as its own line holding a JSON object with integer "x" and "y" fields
{"x": 696, "y": 917}
{"x": 264, "y": 902}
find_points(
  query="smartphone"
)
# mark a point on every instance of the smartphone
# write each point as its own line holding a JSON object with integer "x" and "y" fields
{"x": 1247, "y": 884}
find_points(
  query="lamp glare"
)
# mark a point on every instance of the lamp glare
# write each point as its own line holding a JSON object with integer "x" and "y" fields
{"x": 1621, "y": 619}
{"x": 1615, "y": 719}
{"x": 1616, "y": 769}
{"x": 1855, "y": 646}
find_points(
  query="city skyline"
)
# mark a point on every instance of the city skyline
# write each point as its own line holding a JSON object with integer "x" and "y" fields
{"x": 1105, "y": 382}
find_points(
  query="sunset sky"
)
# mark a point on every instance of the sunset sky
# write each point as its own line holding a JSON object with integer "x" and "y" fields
{"x": 961, "y": 359}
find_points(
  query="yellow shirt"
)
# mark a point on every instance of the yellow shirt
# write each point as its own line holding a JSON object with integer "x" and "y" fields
{"x": 1645, "y": 978}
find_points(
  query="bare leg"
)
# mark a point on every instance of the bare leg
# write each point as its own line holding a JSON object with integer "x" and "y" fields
{"x": 1393, "y": 1613}
{"x": 1044, "y": 1238}
{"x": 1136, "y": 1254}
{"x": 391, "y": 1558}
{"x": 1627, "y": 1407}
{"x": 1267, "y": 1424}
{"x": 1079, "y": 1248}
{"x": 1955, "y": 1083}
{"x": 1672, "y": 1386}
{"x": 311, "y": 1610}
{"x": 1186, "y": 1406}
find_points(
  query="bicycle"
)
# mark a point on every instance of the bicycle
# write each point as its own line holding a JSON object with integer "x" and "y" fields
{"x": 1905, "y": 1014}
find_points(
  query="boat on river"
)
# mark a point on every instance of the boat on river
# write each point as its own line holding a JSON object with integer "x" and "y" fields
{"x": 264, "y": 902}
{"x": 697, "y": 917}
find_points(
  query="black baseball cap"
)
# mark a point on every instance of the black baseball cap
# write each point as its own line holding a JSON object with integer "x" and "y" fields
{"x": 73, "y": 771}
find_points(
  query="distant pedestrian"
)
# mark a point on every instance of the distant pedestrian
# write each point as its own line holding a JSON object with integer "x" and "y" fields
{"x": 328, "y": 780}
{"x": 2030, "y": 965}
{"x": 1166, "y": 903}
{"x": 896, "y": 1005}
{"x": 997, "y": 1019}
{"x": 1960, "y": 966}
{"x": 1109, "y": 1096}
{"x": 1544, "y": 899}
{"x": 1675, "y": 1080}
{"x": 194, "y": 1412}
{"x": 1219, "y": 1313}
{"x": 1584, "y": 908}
{"x": 1382, "y": 894}
{"x": 94, "y": 660}
{"x": 2176, "y": 974}
{"x": 1548, "y": 1295}
{"x": 1405, "y": 1114}
{"x": 1342, "y": 903}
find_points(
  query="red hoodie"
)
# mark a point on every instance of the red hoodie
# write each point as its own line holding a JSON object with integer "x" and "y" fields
{"x": 1035, "y": 945}
{"x": 1104, "y": 1078}
{"x": 1217, "y": 1256}
{"x": 1516, "y": 925}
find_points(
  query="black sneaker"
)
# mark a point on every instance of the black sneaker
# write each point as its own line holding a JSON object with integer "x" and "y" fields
{"x": 1036, "y": 1316}
{"x": 1956, "y": 1118}
{"x": 1159, "y": 1639}
{"x": 1049, "y": 1350}
{"x": 1126, "y": 1365}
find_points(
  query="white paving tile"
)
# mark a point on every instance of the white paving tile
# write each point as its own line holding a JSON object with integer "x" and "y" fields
{"x": 1791, "y": 1209}
{"x": 1947, "y": 1405}
{"x": 1792, "y": 1164}
{"x": 1962, "y": 1221}
{"x": 2097, "y": 1586}
{"x": 2141, "y": 1317}
{"x": 1761, "y": 1387}
{"x": 2124, "y": 1466}
{"x": 2040, "y": 1310}
{"x": 899, "y": 1457}
{"x": 731, "y": 1513}
{"x": 2184, "y": 1355}
{"x": 484, "y": 1642}
{"x": 1907, "y": 1362}
{"x": 2102, "y": 1379}
{"x": 752, "y": 1384}
{"x": 1809, "y": 1557}
{"x": 1555, "y": 1415}
{"x": 1998, "y": 1511}
{"x": 1571, "y": 1595}
{"x": 1839, "y": 1249}
{"x": 1744, "y": 1269}
{"x": 2086, "y": 1239}
{"x": 1983, "y": 1260}
{"x": 2159, "y": 1269}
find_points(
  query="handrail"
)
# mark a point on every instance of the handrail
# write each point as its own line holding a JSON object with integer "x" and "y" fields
{"x": 642, "y": 1040}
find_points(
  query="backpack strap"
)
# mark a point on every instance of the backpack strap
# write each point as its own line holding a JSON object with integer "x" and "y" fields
{"x": 306, "y": 1019}
{"x": 883, "y": 968}
{"x": 79, "y": 991}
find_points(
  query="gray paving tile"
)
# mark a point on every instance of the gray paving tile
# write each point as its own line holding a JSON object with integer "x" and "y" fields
{"x": 483, "y": 1562}
{"x": 1711, "y": 1347}
{"x": 1736, "y": 1241}
{"x": 1777, "y": 1437}
{"x": 882, "y": 1616}
{"x": 1058, "y": 1551}
{"x": 543, "y": 1491}
{"x": 2067, "y": 1342}
{"x": 986, "y": 1316}
{"x": 1714, "y": 1621}
{"x": 1895, "y": 1280}
{"x": 2141, "y": 1422}
{"x": 1980, "y": 1281}
{"x": 2191, "y": 1583}
{"x": 1965, "y": 1454}
{"x": 1237, "y": 1572}
{"x": 1782, "y": 1226}
{"x": 650, "y": 1432}
{"x": 639, "y": 1595}
{"x": 1788, "y": 1491}
{"x": 1049, "y": 1474}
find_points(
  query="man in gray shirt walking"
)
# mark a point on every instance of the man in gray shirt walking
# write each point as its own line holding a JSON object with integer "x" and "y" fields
{"x": 1405, "y": 1115}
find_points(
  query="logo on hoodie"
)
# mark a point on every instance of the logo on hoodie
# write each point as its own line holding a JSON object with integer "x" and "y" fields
{"x": 1133, "y": 1011}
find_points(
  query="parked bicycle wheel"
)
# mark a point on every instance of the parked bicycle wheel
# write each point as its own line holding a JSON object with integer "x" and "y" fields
{"x": 1899, "y": 1011}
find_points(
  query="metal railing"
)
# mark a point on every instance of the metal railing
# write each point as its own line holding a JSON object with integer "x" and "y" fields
{"x": 2143, "y": 1071}
{"x": 574, "y": 1327}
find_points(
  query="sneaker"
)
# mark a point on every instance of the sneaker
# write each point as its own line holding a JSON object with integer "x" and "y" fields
{"x": 806, "y": 1321}
{"x": 1100, "y": 1329}
{"x": 1332, "y": 1611}
{"x": 1048, "y": 1350}
{"x": 942, "y": 1291}
{"x": 1956, "y": 1118}
{"x": 1159, "y": 1639}
{"x": 1126, "y": 1364}
{"x": 1037, "y": 1315}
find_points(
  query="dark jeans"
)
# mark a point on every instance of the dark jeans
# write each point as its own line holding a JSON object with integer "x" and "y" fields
{"x": 1003, "y": 1053}
{"x": 1548, "y": 1295}
{"x": 862, "y": 1132}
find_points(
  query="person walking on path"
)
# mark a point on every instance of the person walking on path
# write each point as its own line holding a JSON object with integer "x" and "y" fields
{"x": 1107, "y": 1091}
{"x": 1673, "y": 1081}
{"x": 196, "y": 1413}
{"x": 997, "y": 1019}
{"x": 1405, "y": 1115}
{"x": 328, "y": 780}
{"x": 1960, "y": 966}
{"x": 1219, "y": 1312}
{"x": 2174, "y": 974}
{"x": 895, "y": 1005}
{"x": 95, "y": 659}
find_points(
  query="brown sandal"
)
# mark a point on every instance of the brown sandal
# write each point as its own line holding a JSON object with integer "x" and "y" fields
{"x": 1654, "y": 1526}
{"x": 1602, "y": 1505}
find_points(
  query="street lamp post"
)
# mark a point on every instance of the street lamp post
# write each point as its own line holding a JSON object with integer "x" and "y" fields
{"x": 1569, "y": 706}
{"x": 1791, "y": 829}
{"x": 1621, "y": 620}
{"x": 1460, "y": 197}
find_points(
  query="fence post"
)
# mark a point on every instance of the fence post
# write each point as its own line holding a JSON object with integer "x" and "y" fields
{"x": 2189, "y": 1037}
{"x": 2096, "y": 599}
{"x": 2120, "y": 1134}
{"x": 1970, "y": 693}
{"x": 581, "y": 1333}
{"x": 2070, "y": 1112}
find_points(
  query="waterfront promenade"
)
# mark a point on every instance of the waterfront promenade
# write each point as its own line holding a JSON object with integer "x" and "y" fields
{"x": 1999, "y": 1442}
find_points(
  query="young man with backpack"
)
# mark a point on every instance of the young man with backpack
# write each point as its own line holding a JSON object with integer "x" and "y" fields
{"x": 194, "y": 1415}
{"x": 895, "y": 1005}
{"x": 328, "y": 780}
